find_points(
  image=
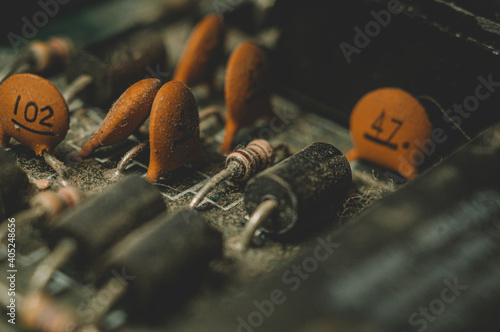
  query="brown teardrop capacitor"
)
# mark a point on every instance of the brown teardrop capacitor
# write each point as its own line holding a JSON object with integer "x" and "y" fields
{"x": 247, "y": 90}
{"x": 203, "y": 52}
{"x": 174, "y": 130}
{"x": 33, "y": 112}
{"x": 127, "y": 113}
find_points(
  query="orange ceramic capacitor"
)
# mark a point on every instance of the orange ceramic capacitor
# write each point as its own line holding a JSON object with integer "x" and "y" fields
{"x": 203, "y": 52}
{"x": 33, "y": 112}
{"x": 247, "y": 90}
{"x": 388, "y": 127}
{"x": 127, "y": 113}
{"x": 174, "y": 130}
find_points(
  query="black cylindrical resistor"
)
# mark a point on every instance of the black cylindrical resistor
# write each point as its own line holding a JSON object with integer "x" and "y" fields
{"x": 310, "y": 180}
{"x": 96, "y": 224}
{"x": 106, "y": 69}
{"x": 14, "y": 185}
{"x": 166, "y": 258}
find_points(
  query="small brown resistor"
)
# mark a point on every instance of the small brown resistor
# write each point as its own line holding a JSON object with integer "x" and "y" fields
{"x": 240, "y": 166}
{"x": 40, "y": 313}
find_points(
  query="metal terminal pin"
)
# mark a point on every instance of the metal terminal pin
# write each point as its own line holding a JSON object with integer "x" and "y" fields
{"x": 76, "y": 87}
{"x": 22, "y": 218}
{"x": 119, "y": 171}
{"x": 212, "y": 111}
{"x": 240, "y": 166}
{"x": 60, "y": 255}
{"x": 241, "y": 243}
{"x": 58, "y": 166}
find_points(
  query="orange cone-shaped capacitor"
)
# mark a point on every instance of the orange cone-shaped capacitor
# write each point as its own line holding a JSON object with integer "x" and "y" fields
{"x": 387, "y": 127}
{"x": 33, "y": 112}
{"x": 127, "y": 113}
{"x": 203, "y": 52}
{"x": 247, "y": 90}
{"x": 174, "y": 130}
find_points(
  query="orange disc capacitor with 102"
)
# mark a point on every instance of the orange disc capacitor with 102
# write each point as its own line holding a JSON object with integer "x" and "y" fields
{"x": 33, "y": 112}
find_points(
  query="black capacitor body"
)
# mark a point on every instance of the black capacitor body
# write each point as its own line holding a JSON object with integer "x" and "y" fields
{"x": 14, "y": 185}
{"x": 115, "y": 65}
{"x": 310, "y": 180}
{"x": 166, "y": 258}
{"x": 106, "y": 218}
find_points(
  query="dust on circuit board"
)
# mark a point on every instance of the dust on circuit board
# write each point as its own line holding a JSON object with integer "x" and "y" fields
{"x": 291, "y": 127}
{"x": 223, "y": 208}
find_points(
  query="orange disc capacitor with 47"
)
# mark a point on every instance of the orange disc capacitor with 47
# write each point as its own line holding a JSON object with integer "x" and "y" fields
{"x": 387, "y": 127}
{"x": 33, "y": 112}
{"x": 174, "y": 130}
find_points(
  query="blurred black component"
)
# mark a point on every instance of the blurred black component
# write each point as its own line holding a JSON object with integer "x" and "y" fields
{"x": 424, "y": 258}
{"x": 167, "y": 258}
{"x": 14, "y": 185}
{"x": 329, "y": 58}
{"x": 103, "y": 220}
{"x": 312, "y": 179}
{"x": 117, "y": 64}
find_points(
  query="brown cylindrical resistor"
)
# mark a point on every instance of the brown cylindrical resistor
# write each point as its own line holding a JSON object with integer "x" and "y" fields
{"x": 174, "y": 130}
{"x": 40, "y": 57}
{"x": 203, "y": 52}
{"x": 127, "y": 113}
{"x": 54, "y": 203}
{"x": 45, "y": 55}
{"x": 247, "y": 90}
{"x": 38, "y": 312}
